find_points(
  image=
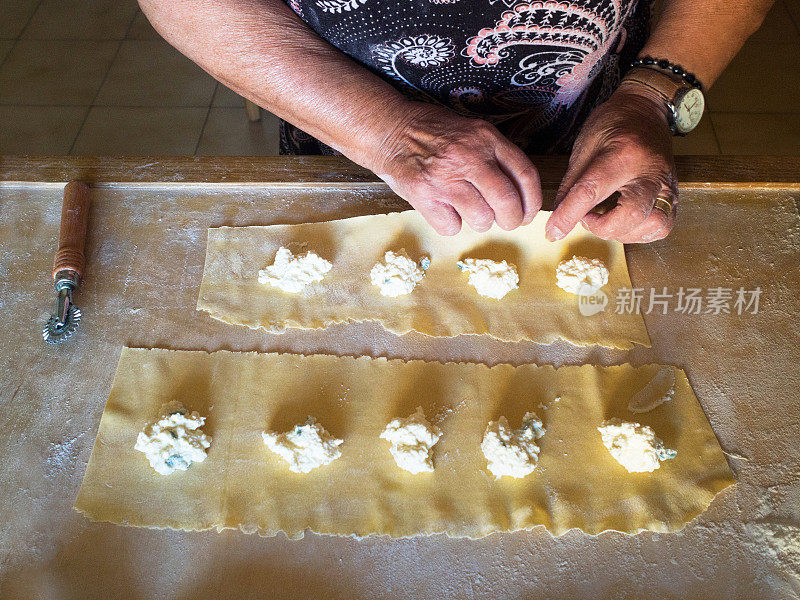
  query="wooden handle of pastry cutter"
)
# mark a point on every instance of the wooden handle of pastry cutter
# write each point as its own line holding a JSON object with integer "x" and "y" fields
{"x": 74, "y": 219}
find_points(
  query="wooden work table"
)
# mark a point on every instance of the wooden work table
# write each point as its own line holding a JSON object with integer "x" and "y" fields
{"x": 738, "y": 227}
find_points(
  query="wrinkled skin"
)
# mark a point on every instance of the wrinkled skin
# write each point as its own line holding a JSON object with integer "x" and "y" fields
{"x": 453, "y": 169}
{"x": 626, "y": 146}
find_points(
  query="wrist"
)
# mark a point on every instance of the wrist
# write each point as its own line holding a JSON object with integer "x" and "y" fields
{"x": 643, "y": 99}
{"x": 376, "y": 122}
{"x": 684, "y": 103}
{"x": 671, "y": 69}
{"x": 402, "y": 135}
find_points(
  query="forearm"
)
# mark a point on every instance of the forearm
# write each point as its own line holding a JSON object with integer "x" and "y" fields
{"x": 264, "y": 52}
{"x": 703, "y": 37}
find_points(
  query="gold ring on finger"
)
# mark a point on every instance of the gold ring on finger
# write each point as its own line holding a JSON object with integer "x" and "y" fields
{"x": 663, "y": 204}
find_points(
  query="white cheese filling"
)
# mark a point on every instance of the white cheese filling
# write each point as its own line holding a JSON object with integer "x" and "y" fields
{"x": 398, "y": 276}
{"x": 634, "y": 446}
{"x": 580, "y": 275}
{"x": 175, "y": 441}
{"x": 490, "y": 278}
{"x": 305, "y": 447}
{"x": 292, "y": 273}
{"x": 658, "y": 390}
{"x": 512, "y": 452}
{"x": 411, "y": 441}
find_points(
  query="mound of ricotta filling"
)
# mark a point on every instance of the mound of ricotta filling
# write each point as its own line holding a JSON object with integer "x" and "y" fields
{"x": 304, "y": 447}
{"x": 292, "y": 273}
{"x": 175, "y": 441}
{"x": 398, "y": 275}
{"x": 512, "y": 453}
{"x": 411, "y": 441}
{"x": 581, "y": 276}
{"x": 634, "y": 446}
{"x": 490, "y": 278}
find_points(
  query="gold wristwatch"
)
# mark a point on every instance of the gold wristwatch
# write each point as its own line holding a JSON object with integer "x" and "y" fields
{"x": 685, "y": 102}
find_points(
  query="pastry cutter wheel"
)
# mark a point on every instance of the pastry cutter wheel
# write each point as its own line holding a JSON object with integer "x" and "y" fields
{"x": 69, "y": 262}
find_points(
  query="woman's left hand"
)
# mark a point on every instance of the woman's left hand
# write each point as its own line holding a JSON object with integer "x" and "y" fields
{"x": 625, "y": 146}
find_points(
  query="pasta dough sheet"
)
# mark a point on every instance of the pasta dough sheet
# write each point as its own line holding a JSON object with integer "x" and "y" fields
{"x": 443, "y": 305}
{"x": 243, "y": 485}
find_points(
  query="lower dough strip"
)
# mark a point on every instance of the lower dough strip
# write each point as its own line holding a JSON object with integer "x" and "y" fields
{"x": 241, "y": 484}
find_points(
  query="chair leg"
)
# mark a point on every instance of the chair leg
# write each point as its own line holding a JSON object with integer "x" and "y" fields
{"x": 253, "y": 111}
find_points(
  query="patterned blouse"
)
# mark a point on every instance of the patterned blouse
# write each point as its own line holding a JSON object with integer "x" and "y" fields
{"x": 534, "y": 69}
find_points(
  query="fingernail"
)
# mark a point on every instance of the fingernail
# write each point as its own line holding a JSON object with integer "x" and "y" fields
{"x": 529, "y": 217}
{"x": 553, "y": 233}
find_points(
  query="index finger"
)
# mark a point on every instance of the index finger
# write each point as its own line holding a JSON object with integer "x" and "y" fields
{"x": 600, "y": 179}
{"x": 500, "y": 194}
{"x": 519, "y": 168}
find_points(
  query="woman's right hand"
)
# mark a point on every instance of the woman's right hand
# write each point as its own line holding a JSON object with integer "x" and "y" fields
{"x": 453, "y": 169}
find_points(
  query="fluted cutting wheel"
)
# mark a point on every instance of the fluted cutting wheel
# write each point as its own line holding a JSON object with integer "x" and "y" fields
{"x": 53, "y": 334}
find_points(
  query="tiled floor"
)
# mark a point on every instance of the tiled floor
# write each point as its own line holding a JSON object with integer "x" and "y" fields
{"x": 93, "y": 77}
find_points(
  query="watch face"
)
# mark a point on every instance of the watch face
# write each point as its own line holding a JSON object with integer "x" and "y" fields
{"x": 689, "y": 110}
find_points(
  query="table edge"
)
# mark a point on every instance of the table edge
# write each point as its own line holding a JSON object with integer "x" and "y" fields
{"x": 693, "y": 171}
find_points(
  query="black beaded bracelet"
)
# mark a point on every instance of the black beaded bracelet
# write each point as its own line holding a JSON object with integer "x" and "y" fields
{"x": 665, "y": 65}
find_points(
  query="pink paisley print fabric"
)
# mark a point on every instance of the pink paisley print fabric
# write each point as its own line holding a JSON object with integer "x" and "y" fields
{"x": 534, "y": 69}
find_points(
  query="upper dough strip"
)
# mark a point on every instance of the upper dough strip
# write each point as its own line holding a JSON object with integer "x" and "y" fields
{"x": 442, "y": 305}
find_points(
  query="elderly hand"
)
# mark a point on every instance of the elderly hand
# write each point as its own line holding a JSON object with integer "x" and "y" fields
{"x": 453, "y": 169}
{"x": 625, "y": 146}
